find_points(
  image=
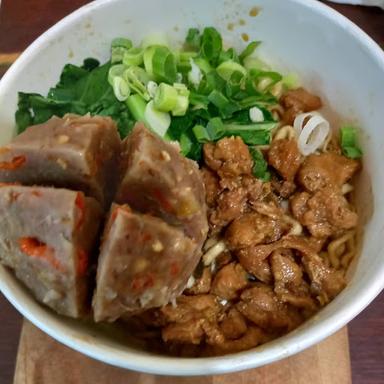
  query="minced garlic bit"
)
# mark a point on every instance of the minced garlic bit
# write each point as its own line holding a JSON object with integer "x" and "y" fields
{"x": 213, "y": 252}
{"x": 157, "y": 246}
{"x": 62, "y": 139}
{"x": 165, "y": 156}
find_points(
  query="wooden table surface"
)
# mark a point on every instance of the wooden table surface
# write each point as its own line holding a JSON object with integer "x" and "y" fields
{"x": 21, "y": 21}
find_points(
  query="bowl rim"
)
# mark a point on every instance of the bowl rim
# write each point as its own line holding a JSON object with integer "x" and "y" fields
{"x": 176, "y": 366}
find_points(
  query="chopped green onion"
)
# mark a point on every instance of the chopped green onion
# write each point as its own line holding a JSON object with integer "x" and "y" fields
{"x": 137, "y": 80}
{"x": 165, "y": 98}
{"x": 160, "y": 63}
{"x": 211, "y": 44}
{"x": 228, "y": 68}
{"x": 203, "y": 64}
{"x": 157, "y": 121}
{"x": 291, "y": 81}
{"x": 121, "y": 42}
{"x": 193, "y": 39}
{"x": 115, "y": 71}
{"x": 152, "y": 88}
{"x": 198, "y": 100}
{"x": 136, "y": 105}
{"x": 260, "y": 166}
{"x": 255, "y": 63}
{"x": 249, "y": 49}
{"x": 120, "y": 88}
{"x": 155, "y": 39}
{"x": 133, "y": 56}
{"x": 185, "y": 144}
{"x": 182, "y": 101}
{"x": 229, "y": 54}
{"x": 215, "y": 128}
{"x": 225, "y": 106}
{"x": 252, "y": 134}
{"x": 201, "y": 134}
{"x": 194, "y": 75}
{"x": 118, "y": 47}
{"x": 349, "y": 142}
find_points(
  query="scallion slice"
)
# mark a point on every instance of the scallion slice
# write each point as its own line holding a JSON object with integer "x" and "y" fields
{"x": 165, "y": 98}
{"x": 349, "y": 142}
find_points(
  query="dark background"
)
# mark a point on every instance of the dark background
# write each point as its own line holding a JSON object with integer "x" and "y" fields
{"x": 21, "y": 22}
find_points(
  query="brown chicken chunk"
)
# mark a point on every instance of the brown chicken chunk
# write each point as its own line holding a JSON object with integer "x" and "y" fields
{"x": 202, "y": 284}
{"x": 289, "y": 285}
{"x": 284, "y": 156}
{"x": 229, "y": 280}
{"x": 252, "y": 229}
{"x": 325, "y": 213}
{"x": 212, "y": 186}
{"x": 233, "y": 325}
{"x": 260, "y": 252}
{"x": 326, "y": 169}
{"x": 252, "y": 338}
{"x": 228, "y": 157}
{"x": 188, "y": 332}
{"x": 298, "y": 101}
{"x": 325, "y": 281}
{"x": 261, "y": 306}
{"x": 230, "y": 205}
{"x": 193, "y": 307}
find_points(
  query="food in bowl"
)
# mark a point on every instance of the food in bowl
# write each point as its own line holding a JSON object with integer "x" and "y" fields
{"x": 278, "y": 183}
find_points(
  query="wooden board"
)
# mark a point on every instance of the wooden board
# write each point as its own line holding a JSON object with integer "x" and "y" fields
{"x": 42, "y": 360}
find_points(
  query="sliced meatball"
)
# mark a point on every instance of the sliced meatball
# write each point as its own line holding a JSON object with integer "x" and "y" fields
{"x": 47, "y": 236}
{"x": 158, "y": 180}
{"x": 326, "y": 169}
{"x": 76, "y": 152}
{"x": 284, "y": 156}
{"x": 212, "y": 186}
{"x": 252, "y": 229}
{"x": 143, "y": 263}
{"x": 297, "y": 101}
{"x": 229, "y": 280}
{"x": 229, "y": 157}
{"x": 325, "y": 213}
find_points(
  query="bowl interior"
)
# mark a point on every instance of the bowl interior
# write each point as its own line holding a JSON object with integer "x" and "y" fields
{"x": 333, "y": 59}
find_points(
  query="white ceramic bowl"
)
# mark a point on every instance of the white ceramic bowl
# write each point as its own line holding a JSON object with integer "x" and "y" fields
{"x": 333, "y": 57}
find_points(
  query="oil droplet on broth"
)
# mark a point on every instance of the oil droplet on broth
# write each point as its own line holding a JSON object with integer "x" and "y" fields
{"x": 254, "y": 11}
{"x": 230, "y": 26}
{"x": 245, "y": 37}
{"x": 241, "y": 22}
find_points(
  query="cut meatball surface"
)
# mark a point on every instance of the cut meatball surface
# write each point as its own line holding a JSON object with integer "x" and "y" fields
{"x": 75, "y": 152}
{"x": 143, "y": 263}
{"x": 159, "y": 181}
{"x": 47, "y": 236}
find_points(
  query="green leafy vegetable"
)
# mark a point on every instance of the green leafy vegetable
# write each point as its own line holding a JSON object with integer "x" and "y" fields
{"x": 260, "y": 166}
{"x": 80, "y": 90}
{"x": 119, "y": 47}
{"x": 211, "y": 45}
{"x": 249, "y": 49}
{"x": 193, "y": 39}
{"x": 349, "y": 142}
